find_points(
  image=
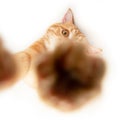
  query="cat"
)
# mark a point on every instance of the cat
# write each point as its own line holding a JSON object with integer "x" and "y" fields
{"x": 55, "y": 59}
{"x": 70, "y": 72}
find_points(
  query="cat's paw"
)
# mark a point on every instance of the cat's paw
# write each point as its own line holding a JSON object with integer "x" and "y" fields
{"x": 7, "y": 67}
{"x": 69, "y": 76}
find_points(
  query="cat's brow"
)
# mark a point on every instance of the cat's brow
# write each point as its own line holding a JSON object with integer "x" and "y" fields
{"x": 58, "y": 27}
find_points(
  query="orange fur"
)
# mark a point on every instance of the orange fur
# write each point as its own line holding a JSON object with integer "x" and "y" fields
{"x": 68, "y": 69}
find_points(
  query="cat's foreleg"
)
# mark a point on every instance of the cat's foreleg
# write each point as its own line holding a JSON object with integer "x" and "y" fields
{"x": 23, "y": 60}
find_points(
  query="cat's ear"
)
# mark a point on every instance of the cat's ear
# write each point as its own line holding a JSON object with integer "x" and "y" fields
{"x": 68, "y": 17}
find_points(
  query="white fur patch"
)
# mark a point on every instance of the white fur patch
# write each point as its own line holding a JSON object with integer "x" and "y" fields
{"x": 71, "y": 35}
{"x": 51, "y": 44}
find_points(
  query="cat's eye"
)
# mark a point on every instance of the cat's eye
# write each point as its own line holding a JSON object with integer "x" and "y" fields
{"x": 65, "y": 33}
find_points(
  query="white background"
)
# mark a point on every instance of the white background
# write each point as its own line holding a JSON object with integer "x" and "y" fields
{"x": 24, "y": 21}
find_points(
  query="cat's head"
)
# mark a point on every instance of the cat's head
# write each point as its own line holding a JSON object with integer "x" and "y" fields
{"x": 65, "y": 29}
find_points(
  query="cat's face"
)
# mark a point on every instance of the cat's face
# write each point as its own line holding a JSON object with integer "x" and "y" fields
{"x": 66, "y": 30}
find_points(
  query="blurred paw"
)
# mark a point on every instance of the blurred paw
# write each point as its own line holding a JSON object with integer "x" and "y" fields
{"x": 7, "y": 67}
{"x": 69, "y": 76}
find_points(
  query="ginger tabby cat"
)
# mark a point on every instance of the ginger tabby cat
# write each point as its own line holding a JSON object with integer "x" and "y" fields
{"x": 68, "y": 69}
